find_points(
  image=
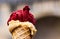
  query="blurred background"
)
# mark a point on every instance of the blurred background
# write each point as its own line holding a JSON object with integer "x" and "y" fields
{"x": 46, "y": 12}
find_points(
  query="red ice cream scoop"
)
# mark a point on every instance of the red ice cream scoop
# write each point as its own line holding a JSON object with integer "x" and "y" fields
{"x": 22, "y": 15}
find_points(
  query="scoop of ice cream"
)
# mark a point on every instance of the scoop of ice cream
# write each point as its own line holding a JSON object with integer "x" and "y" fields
{"x": 13, "y": 24}
{"x": 22, "y": 15}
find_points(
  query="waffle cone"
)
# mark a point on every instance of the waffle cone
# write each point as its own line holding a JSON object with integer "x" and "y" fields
{"x": 21, "y": 33}
{"x": 21, "y": 30}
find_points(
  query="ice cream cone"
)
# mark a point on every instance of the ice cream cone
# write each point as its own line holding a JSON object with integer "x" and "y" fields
{"x": 21, "y": 24}
{"x": 21, "y": 30}
{"x": 21, "y": 33}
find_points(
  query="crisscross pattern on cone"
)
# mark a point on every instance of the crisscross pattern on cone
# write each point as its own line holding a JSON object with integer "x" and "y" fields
{"x": 21, "y": 33}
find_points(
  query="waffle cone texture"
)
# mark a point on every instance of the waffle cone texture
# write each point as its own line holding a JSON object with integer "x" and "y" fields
{"x": 21, "y": 30}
